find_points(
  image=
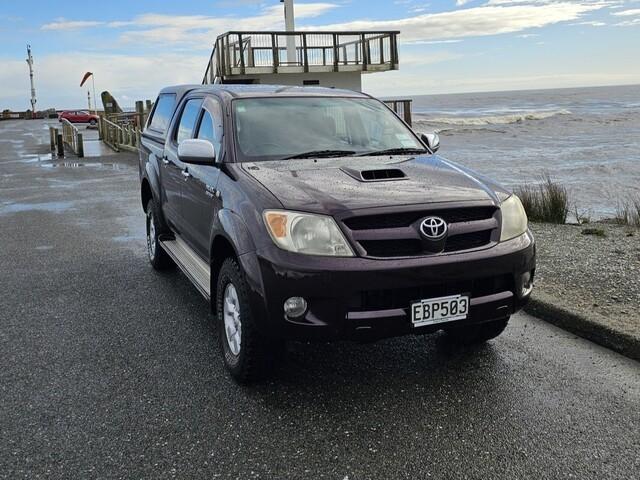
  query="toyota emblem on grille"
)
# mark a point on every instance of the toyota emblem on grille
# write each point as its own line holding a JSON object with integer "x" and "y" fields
{"x": 433, "y": 228}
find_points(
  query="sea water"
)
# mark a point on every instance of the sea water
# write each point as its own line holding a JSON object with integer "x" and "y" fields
{"x": 587, "y": 139}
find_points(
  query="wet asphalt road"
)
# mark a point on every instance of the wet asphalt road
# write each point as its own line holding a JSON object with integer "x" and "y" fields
{"x": 110, "y": 370}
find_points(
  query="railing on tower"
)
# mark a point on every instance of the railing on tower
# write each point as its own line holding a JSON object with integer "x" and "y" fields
{"x": 245, "y": 53}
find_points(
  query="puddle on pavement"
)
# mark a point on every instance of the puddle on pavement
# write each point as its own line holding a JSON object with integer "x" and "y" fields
{"x": 96, "y": 165}
{"x": 53, "y": 207}
{"x": 35, "y": 157}
{"x": 44, "y": 247}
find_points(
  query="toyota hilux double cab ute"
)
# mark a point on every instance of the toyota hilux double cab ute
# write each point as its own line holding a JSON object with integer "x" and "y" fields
{"x": 311, "y": 213}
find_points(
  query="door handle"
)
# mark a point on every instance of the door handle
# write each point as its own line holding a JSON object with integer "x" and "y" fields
{"x": 185, "y": 174}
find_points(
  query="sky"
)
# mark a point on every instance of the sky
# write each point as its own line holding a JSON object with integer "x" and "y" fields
{"x": 136, "y": 47}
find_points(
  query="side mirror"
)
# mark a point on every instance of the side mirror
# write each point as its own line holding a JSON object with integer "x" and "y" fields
{"x": 197, "y": 152}
{"x": 432, "y": 140}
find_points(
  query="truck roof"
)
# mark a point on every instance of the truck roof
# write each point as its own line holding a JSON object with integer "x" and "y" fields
{"x": 249, "y": 91}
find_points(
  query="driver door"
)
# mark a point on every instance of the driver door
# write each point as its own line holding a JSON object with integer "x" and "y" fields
{"x": 175, "y": 173}
{"x": 200, "y": 198}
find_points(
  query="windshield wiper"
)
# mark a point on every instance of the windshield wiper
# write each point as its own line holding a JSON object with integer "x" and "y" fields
{"x": 321, "y": 154}
{"x": 393, "y": 151}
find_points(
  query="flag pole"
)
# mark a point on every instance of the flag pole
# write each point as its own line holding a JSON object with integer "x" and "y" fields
{"x": 95, "y": 104}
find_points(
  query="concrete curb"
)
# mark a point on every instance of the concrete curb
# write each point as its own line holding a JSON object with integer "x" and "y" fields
{"x": 583, "y": 326}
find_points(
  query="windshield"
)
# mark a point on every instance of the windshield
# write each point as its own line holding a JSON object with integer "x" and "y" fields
{"x": 281, "y": 128}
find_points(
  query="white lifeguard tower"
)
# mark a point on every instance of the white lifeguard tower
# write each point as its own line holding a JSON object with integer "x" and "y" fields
{"x": 324, "y": 58}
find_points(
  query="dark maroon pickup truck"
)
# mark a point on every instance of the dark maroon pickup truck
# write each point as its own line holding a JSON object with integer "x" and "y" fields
{"x": 310, "y": 213}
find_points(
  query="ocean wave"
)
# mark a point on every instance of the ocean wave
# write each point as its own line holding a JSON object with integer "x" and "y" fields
{"x": 494, "y": 119}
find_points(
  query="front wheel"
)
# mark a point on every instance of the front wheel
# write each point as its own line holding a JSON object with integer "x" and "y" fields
{"x": 93, "y": 122}
{"x": 478, "y": 333}
{"x": 247, "y": 354}
{"x": 158, "y": 258}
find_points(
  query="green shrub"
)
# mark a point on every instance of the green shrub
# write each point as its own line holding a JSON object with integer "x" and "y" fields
{"x": 545, "y": 202}
{"x": 598, "y": 232}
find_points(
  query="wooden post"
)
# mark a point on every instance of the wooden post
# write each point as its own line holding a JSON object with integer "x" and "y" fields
{"x": 407, "y": 111}
{"x": 275, "y": 52}
{"x": 53, "y": 133}
{"x": 393, "y": 41}
{"x": 80, "y": 145}
{"x": 242, "y": 66}
{"x": 335, "y": 53}
{"x": 59, "y": 144}
{"x": 364, "y": 51}
{"x": 305, "y": 58}
{"x": 140, "y": 113}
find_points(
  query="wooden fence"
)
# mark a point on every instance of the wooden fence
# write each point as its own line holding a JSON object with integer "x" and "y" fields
{"x": 121, "y": 131}
{"x": 72, "y": 138}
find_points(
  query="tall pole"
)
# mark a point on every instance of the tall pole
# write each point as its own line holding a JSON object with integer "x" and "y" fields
{"x": 89, "y": 99}
{"x": 33, "y": 88}
{"x": 290, "y": 26}
{"x": 95, "y": 101}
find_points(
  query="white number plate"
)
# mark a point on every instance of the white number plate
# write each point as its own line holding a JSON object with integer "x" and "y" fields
{"x": 439, "y": 310}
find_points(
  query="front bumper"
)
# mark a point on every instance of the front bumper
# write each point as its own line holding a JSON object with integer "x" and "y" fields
{"x": 361, "y": 298}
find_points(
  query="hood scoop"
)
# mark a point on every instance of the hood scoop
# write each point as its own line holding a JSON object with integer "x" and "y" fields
{"x": 375, "y": 175}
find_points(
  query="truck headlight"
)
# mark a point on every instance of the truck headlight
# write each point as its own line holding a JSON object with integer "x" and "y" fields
{"x": 514, "y": 218}
{"x": 306, "y": 233}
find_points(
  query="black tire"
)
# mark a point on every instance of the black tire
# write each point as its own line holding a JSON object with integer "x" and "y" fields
{"x": 256, "y": 355}
{"x": 158, "y": 258}
{"x": 93, "y": 122}
{"x": 478, "y": 333}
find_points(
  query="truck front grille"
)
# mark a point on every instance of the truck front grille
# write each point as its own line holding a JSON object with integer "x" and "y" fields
{"x": 404, "y": 219}
{"x": 393, "y": 235}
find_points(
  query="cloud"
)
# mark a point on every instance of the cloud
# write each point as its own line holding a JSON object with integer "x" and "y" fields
{"x": 634, "y": 12}
{"x": 63, "y": 24}
{"x": 478, "y": 21}
{"x": 193, "y": 30}
{"x": 627, "y": 13}
{"x": 592, "y": 23}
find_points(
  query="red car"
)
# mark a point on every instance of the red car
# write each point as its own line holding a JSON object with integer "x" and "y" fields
{"x": 79, "y": 116}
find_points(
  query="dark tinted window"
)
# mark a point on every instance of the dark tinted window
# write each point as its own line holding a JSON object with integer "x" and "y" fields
{"x": 162, "y": 113}
{"x": 188, "y": 119}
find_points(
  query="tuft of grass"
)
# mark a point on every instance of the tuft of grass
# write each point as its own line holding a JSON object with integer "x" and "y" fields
{"x": 582, "y": 217}
{"x": 547, "y": 202}
{"x": 628, "y": 212}
{"x": 598, "y": 232}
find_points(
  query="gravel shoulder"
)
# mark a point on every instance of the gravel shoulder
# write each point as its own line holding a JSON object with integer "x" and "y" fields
{"x": 590, "y": 284}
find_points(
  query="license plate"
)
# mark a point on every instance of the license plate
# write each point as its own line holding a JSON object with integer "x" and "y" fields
{"x": 439, "y": 310}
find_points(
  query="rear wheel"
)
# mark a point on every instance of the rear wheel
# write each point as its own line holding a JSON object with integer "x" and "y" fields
{"x": 478, "y": 333}
{"x": 158, "y": 258}
{"x": 93, "y": 122}
{"x": 247, "y": 354}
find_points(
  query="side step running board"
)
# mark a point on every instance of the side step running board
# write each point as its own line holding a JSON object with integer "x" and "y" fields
{"x": 190, "y": 263}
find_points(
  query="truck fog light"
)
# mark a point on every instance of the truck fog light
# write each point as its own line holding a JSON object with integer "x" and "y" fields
{"x": 295, "y": 307}
{"x": 526, "y": 284}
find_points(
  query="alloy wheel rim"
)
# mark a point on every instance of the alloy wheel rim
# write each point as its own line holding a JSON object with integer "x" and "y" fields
{"x": 151, "y": 236}
{"x": 232, "y": 323}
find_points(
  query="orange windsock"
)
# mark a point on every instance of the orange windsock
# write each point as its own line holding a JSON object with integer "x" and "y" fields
{"x": 85, "y": 78}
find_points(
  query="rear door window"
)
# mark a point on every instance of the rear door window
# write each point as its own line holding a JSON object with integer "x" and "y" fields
{"x": 162, "y": 113}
